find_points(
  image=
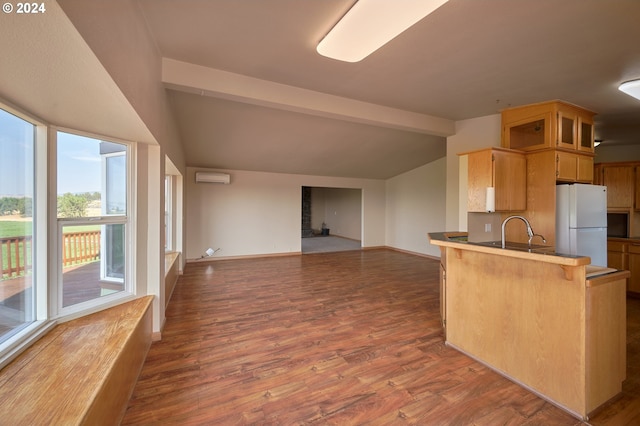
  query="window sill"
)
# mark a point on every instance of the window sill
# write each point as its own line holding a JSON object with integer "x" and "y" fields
{"x": 82, "y": 371}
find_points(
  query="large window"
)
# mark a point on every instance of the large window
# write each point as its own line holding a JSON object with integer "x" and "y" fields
{"x": 93, "y": 219}
{"x": 66, "y": 227}
{"x": 168, "y": 213}
{"x": 17, "y": 172}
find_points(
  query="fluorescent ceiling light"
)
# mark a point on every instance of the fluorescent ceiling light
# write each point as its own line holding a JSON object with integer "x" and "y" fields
{"x": 631, "y": 88}
{"x": 370, "y": 24}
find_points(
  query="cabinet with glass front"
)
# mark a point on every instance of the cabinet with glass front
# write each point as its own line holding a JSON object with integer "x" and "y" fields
{"x": 554, "y": 124}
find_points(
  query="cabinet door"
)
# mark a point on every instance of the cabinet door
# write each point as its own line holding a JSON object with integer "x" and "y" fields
{"x": 505, "y": 171}
{"x": 585, "y": 169}
{"x": 510, "y": 180}
{"x": 480, "y": 176}
{"x": 528, "y": 134}
{"x": 597, "y": 174}
{"x": 566, "y": 167}
{"x": 618, "y": 260}
{"x": 619, "y": 181}
{"x": 637, "y": 188}
{"x": 634, "y": 268}
{"x": 566, "y": 128}
{"x": 443, "y": 298}
{"x": 585, "y": 133}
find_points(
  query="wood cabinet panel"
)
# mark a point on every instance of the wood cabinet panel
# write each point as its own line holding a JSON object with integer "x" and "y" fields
{"x": 634, "y": 267}
{"x": 567, "y": 122}
{"x": 572, "y": 167}
{"x": 566, "y": 167}
{"x": 637, "y": 188}
{"x": 619, "y": 180}
{"x": 552, "y": 124}
{"x": 511, "y": 324}
{"x": 584, "y": 169}
{"x": 504, "y": 170}
{"x": 586, "y": 136}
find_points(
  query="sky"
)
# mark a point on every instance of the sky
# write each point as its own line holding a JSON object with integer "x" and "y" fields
{"x": 79, "y": 162}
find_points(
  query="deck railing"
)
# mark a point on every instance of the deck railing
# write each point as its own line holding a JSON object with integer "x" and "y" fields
{"x": 77, "y": 248}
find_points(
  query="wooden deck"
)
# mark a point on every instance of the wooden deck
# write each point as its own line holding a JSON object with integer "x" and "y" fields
{"x": 81, "y": 283}
{"x": 332, "y": 338}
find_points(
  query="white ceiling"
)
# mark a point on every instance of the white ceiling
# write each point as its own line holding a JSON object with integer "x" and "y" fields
{"x": 250, "y": 92}
{"x": 469, "y": 58}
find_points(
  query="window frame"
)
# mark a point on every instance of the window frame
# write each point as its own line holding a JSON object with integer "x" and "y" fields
{"x": 45, "y": 238}
{"x": 19, "y": 340}
{"x": 129, "y": 219}
{"x": 168, "y": 213}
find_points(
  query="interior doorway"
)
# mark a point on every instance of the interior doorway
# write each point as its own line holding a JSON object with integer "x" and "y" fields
{"x": 331, "y": 219}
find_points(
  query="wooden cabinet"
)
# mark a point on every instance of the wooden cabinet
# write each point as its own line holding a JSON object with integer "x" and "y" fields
{"x": 506, "y": 171}
{"x": 619, "y": 180}
{"x": 637, "y": 188}
{"x": 618, "y": 255}
{"x": 625, "y": 255}
{"x": 597, "y": 174}
{"x": 540, "y": 308}
{"x": 552, "y": 124}
{"x": 443, "y": 290}
{"x": 586, "y": 135}
{"x": 572, "y": 167}
{"x": 634, "y": 267}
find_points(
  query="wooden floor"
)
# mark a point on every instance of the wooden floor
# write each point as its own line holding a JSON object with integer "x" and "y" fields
{"x": 331, "y": 338}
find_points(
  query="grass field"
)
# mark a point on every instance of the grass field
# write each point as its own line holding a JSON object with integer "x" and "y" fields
{"x": 10, "y": 228}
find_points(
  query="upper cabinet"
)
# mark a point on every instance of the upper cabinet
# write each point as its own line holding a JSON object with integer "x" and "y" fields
{"x": 552, "y": 124}
{"x": 504, "y": 170}
{"x": 572, "y": 167}
{"x": 619, "y": 178}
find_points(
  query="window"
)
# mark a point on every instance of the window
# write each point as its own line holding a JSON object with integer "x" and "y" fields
{"x": 17, "y": 175}
{"x": 168, "y": 216}
{"x": 82, "y": 258}
{"x": 93, "y": 219}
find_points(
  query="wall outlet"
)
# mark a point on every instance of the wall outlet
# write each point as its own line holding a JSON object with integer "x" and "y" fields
{"x": 487, "y": 227}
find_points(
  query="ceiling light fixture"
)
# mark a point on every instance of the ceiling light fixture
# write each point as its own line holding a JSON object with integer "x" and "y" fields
{"x": 370, "y": 24}
{"x": 631, "y": 88}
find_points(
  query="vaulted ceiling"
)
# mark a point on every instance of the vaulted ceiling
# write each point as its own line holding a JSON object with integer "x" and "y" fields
{"x": 249, "y": 91}
{"x": 467, "y": 59}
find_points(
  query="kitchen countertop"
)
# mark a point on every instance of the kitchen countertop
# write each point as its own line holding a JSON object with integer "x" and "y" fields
{"x": 518, "y": 250}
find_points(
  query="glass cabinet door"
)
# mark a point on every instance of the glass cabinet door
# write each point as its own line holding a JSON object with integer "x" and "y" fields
{"x": 567, "y": 122}
{"x": 585, "y": 134}
{"x": 528, "y": 134}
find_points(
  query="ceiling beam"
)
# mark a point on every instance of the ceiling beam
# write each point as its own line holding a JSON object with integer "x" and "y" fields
{"x": 223, "y": 84}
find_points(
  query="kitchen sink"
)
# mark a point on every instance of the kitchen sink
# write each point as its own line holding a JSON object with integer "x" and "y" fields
{"x": 534, "y": 248}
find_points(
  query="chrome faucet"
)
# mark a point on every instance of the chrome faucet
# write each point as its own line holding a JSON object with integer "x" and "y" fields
{"x": 530, "y": 232}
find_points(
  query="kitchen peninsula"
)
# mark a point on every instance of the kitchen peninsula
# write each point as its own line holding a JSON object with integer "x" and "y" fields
{"x": 550, "y": 322}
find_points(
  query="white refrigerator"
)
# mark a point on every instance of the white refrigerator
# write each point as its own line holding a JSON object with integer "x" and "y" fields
{"x": 581, "y": 221}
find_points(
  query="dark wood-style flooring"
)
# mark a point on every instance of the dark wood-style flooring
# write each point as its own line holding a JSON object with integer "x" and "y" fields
{"x": 331, "y": 338}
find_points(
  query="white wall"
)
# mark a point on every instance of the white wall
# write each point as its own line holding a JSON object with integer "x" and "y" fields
{"x": 121, "y": 40}
{"x": 259, "y": 213}
{"x": 611, "y": 154}
{"x": 342, "y": 211}
{"x": 416, "y": 205}
{"x": 471, "y": 135}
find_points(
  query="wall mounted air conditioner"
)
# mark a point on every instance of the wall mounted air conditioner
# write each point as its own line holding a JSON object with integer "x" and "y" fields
{"x": 211, "y": 177}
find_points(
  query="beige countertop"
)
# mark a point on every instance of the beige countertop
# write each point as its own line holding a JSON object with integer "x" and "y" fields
{"x": 539, "y": 253}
